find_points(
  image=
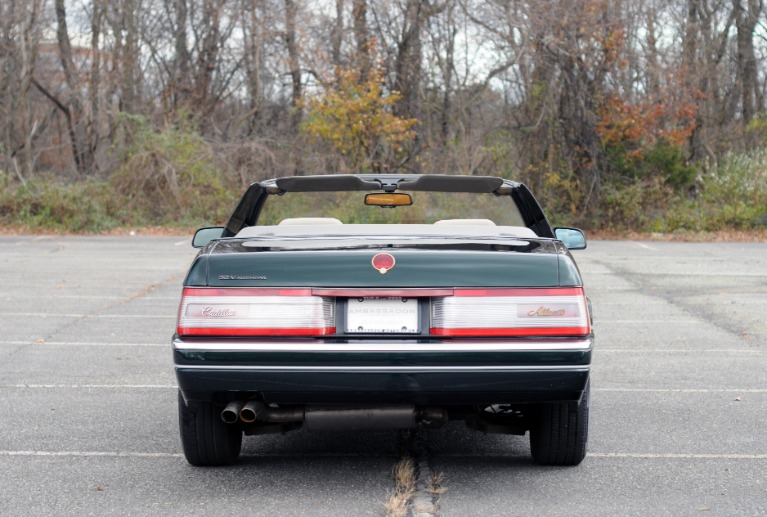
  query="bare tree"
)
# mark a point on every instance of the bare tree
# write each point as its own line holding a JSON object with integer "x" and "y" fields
{"x": 19, "y": 40}
{"x": 337, "y": 36}
{"x": 123, "y": 20}
{"x": 516, "y": 87}
{"x": 72, "y": 106}
{"x": 294, "y": 65}
{"x": 746, "y": 14}
{"x": 361, "y": 37}
{"x": 253, "y": 29}
{"x": 706, "y": 41}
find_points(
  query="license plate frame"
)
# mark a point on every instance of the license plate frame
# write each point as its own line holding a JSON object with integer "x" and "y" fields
{"x": 382, "y": 315}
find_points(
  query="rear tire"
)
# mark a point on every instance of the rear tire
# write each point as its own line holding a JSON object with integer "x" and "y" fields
{"x": 559, "y": 433}
{"x": 207, "y": 441}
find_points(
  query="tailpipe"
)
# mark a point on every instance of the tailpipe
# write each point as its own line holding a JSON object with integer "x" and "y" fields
{"x": 231, "y": 412}
{"x": 256, "y": 410}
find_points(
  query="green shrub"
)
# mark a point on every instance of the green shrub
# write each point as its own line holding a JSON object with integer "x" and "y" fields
{"x": 662, "y": 161}
{"x": 667, "y": 162}
{"x": 169, "y": 176}
{"x": 172, "y": 179}
{"x": 632, "y": 205}
{"x": 731, "y": 196}
{"x": 738, "y": 177}
{"x": 734, "y": 193}
{"x": 46, "y": 203}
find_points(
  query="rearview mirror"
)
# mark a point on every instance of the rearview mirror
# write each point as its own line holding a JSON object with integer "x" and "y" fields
{"x": 573, "y": 238}
{"x": 204, "y": 235}
{"x": 388, "y": 200}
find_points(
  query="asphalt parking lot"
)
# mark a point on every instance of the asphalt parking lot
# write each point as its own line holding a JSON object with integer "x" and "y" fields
{"x": 88, "y": 422}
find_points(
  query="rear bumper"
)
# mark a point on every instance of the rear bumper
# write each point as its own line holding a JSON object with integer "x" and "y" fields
{"x": 380, "y": 371}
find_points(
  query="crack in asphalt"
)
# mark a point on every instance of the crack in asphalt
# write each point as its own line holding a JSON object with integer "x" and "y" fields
{"x": 123, "y": 301}
{"x": 425, "y": 499}
{"x": 644, "y": 284}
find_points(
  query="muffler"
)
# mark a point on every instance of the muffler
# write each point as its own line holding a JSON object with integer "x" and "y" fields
{"x": 353, "y": 418}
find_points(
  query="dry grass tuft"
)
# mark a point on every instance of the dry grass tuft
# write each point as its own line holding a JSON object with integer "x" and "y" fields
{"x": 434, "y": 485}
{"x": 404, "y": 488}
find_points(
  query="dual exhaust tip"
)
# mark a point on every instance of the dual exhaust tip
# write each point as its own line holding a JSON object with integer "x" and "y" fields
{"x": 238, "y": 410}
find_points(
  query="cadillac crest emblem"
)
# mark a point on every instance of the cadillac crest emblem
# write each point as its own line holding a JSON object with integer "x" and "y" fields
{"x": 383, "y": 262}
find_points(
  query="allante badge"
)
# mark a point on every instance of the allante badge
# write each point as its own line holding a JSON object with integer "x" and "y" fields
{"x": 383, "y": 262}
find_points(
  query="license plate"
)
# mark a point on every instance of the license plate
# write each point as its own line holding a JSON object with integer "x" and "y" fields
{"x": 382, "y": 315}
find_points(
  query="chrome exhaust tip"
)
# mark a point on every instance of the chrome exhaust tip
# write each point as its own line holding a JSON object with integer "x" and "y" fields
{"x": 249, "y": 412}
{"x": 231, "y": 412}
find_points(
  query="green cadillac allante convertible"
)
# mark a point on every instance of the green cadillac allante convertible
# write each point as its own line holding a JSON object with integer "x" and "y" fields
{"x": 384, "y": 301}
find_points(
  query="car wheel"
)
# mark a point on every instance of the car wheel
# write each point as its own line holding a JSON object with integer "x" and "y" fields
{"x": 560, "y": 431}
{"x": 206, "y": 439}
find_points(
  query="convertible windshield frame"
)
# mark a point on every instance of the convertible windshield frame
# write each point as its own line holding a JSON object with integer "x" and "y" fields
{"x": 247, "y": 211}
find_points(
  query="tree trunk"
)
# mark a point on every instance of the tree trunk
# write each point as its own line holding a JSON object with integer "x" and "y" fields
{"x": 77, "y": 122}
{"x": 337, "y": 36}
{"x": 207, "y": 59}
{"x": 130, "y": 58}
{"x": 182, "y": 83}
{"x": 361, "y": 38}
{"x": 94, "y": 88}
{"x": 746, "y": 19}
{"x": 253, "y": 63}
{"x": 293, "y": 63}
{"x": 408, "y": 65}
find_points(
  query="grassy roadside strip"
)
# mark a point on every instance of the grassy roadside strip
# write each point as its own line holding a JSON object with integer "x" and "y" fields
{"x": 755, "y": 235}
{"x": 93, "y": 206}
{"x": 118, "y": 231}
{"x": 50, "y": 206}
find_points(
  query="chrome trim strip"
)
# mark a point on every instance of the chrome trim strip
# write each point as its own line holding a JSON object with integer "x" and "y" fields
{"x": 383, "y": 346}
{"x": 347, "y": 369}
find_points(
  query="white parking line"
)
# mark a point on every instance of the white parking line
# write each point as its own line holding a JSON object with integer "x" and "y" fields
{"x": 620, "y": 455}
{"x": 68, "y": 297}
{"x": 35, "y": 296}
{"x": 646, "y": 246}
{"x": 139, "y": 316}
{"x": 81, "y": 343}
{"x": 74, "y": 315}
{"x": 675, "y": 456}
{"x": 649, "y": 322}
{"x": 677, "y": 351}
{"x": 679, "y": 390}
{"x": 92, "y": 386}
{"x": 92, "y": 454}
{"x": 600, "y": 455}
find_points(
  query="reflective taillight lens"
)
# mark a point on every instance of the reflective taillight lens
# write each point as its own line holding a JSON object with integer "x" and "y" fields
{"x": 254, "y": 312}
{"x": 511, "y": 312}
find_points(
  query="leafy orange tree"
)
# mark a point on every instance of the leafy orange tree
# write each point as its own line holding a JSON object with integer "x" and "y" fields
{"x": 354, "y": 117}
{"x": 645, "y": 140}
{"x": 643, "y": 145}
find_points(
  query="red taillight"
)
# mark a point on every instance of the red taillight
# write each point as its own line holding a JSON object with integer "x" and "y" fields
{"x": 511, "y": 312}
{"x": 254, "y": 312}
